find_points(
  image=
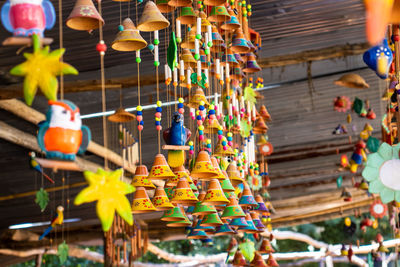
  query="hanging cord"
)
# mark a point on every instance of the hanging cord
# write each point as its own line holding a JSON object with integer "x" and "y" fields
{"x": 61, "y": 39}
{"x": 140, "y": 132}
{"x": 103, "y": 87}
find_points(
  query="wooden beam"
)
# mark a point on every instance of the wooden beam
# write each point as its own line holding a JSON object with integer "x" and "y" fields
{"x": 337, "y": 51}
{"x": 16, "y": 91}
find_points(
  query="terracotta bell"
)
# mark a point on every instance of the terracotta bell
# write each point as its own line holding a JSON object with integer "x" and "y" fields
{"x": 215, "y": 195}
{"x": 141, "y": 202}
{"x": 84, "y": 16}
{"x": 152, "y": 19}
{"x": 121, "y": 116}
{"x": 203, "y": 168}
{"x": 140, "y": 178}
{"x": 160, "y": 200}
{"x": 128, "y": 39}
{"x": 160, "y": 169}
{"x": 184, "y": 194}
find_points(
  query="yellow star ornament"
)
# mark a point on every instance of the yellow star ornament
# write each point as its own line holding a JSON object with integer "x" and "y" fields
{"x": 109, "y": 191}
{"x": 41, "y": 69}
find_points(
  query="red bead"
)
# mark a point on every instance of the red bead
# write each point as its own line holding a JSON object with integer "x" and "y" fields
{"x": 140, "y": 127}
{"x": 201, "y": 137}
{"x": 181, "y": 110}
{"x": 158, "y": 115}
{"x": 139, "y": 118}
{"x": 396, "y": 38}
{"x": 101, "y": 47}
{"x": 158, "y": 127}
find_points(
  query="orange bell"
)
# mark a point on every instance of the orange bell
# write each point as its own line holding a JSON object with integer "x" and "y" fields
{"x": 160, "y": 200}
{"x": 141, "y": 202}
{"x": 215, "y": 195}
{"x": 184, "y": 194}
{"x": 140, "y": 178}
{"x": 266, "y": 247}
{"x": 160, "y": 169}
{"x": 203, "y": 168}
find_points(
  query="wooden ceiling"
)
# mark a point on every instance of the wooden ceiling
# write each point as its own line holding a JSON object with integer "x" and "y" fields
{"x": 304, "y": 166}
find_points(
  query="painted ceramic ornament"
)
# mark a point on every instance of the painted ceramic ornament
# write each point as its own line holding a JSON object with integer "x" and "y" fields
{"x": 340, "y": 129}
{"x": 342, "y": 104}
{"x": 62, "y": 134}
{"x": 379, "y": 58}
{"x": 383, "y": 172}
{"x": 109, "y": 191}
{"x": 377, "y": 209}
{"x": 27, "y": 17}
{"x": 40, "y": 70}
{"x": 358, "y": 156}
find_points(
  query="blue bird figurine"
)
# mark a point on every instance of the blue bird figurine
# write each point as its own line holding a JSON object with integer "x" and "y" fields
{"x": 176, "y": 135}
{"x": 36, "y": 166}
{"x": 379, "y": 58}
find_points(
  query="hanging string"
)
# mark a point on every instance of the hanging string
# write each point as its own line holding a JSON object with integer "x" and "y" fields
{"x": 61, "y": 39}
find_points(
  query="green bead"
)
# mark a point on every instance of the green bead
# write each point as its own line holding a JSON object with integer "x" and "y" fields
{"x": 198, "y": 36}
{"x": 199, "y": 2}
{"x": 140, "y": 1}
{"x": 207, "y": 51}
{"x": 156, "y": 41}
{"x": 179, "y": 39}
{"x": 189, "y": 28}
{"x": 228, "y": 97}
{"x": 120, "y": 28}
{"x": 197, "y": 56}
{"x": 156, "y": 63}
{"x": 138, "y": 60}
{"x": 210, "y": 44}
{"x": 239, "y": 4}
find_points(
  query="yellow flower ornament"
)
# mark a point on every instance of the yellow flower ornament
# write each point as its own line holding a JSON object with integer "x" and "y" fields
{"x": 109, "y": 191}
{"x": 382, "y": 171}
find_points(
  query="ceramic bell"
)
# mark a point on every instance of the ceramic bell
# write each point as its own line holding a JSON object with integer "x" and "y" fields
{"x": 203, "y": 168}
{"x": 271, "y": 261}
{"x": 247, "y": 199}
{"x": 179, "y": 173}
{"x": 237, "y": 73}
{"x": 264, "y": 113}
{"x": 260, "y": 126}
{"x": 220, "y": 176}
{"x": 202, "y": 209}
{"x": 184, "y": 194}
{"x": 197, "y": 234}
{"x": 226, "y": 184}
{"x": 84, "y": 16}
{"x": 352, "y": 80}
{"x": 251, "y": 65}
{"x": 257, "y": 222}
{"x": 189, "y": 41}
{"x": 164, "y": 7}
{"x": 187, "y": 16}
{"x": 265, "y": 247}
{"x": 238, "y": 259}
{"x": 238, "y": 222}
{"x": 261, "y": 208}
{"x": 233, "y": 174}
{"x": 229, "y": 57}
{"x": 160, "y": 200}
{"x": 218, "y": 14}
{"x": 180, "y": 3}
{"x": 239, "y": 42}
{"x": 215, "y": 195}
{"x": 250, "y": 228}
{"x": 224, "y": 229}
{"x": 152, "y": 19}
{"x": 174, "y": 214}
{"x": 183, "y": 223}
{"x": 121, "y": 116}
{"x": 233, "y": 23}
{"x": 232, "y": 210}
{"x": 160, "y": 169}
{"x": 188, "y": 58}
{"x": 211, "y": 220}
{"x": 129, "y": 39}
{"x": 140, "y": 178}
{"x": 221, "y": 151}
{"x": 141, "y": 202}
{"x": 258, "y": 260}
{"x": 211, "y": 126}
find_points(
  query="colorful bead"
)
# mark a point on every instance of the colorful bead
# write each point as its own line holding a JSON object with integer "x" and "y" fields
{"x": 101, "y": 47}
{"x": 156, "y": 41}
{"x": 120, "y": 28}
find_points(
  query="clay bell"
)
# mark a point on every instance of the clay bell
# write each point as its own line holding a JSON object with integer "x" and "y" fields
{"x": 164, "y": 7}
{"x": 180, "y": 3}
{"x": 232, "y": 210}
{"x": 247, "y": 199}
{"x": 265, "y": 247}
{"x": 140, "y": 178}
{"x": 203, "y": 168}
{"x": 196, "y": 98}
{"x": 187, "y": 15}
{"x": 238, "y": 259}
{"x": 141, "y": 202}
{"x": 251, "y": 64}
{"x": 160, "y": 200}
{"x": 239, "y": 42}
{"x": 121, "y": 116}
{"x": 232, "y": 24}
{"x": 184, "y": 194}
{"x": 188, "y": 58}
{"x": 152, "y": 19}
{"x": 219, "y": 14}
{"x": 233, "y": 174}
{"x": 160, "y": 169}
{"x": 215, "y": 195}
{"x": 84, "y": 16}
{"x": 128, "y": 39}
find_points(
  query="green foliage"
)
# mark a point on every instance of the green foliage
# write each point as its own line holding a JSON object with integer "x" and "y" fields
{"x": 42, "y": 199}
{"x": 245, "y": 128}
{"x": 62, "y": 252}
{"x": 248, "y": 249}
{"x": 250, "y": 95}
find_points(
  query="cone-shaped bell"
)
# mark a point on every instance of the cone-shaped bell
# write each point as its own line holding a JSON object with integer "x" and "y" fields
{"x": 216, "y": 37}
{"x": 258, "y": 260}
{"x": 232, "y": 24}
{"x": 226, "y": 184}
{"x": 222, "y": 151}
{"x": 257, "y": 222}
{"x": 199, "y": 227}
{"x": 141, "y": 202}
{"x": 229, "y": 57}
{"x": 203, "y": 168}
{"x": 184, "y": 194}
{"x": 264, "y": 113}
{"x": 250, "y": 228}
{"x": 188, "y": 58}
{"x": 172, "y": 215}
{"x": 84, "y": 16}
{"x": 232, "y": 210}
{"x": 239, "y": 222}
{"x": 220, "y": 176}
{"x": 152, "y": 19}
{"x": 239, "y": 42}
{"x": 239, "y": 58}
{"x": 180, "y": 3}
{"x": 219, "y": 14}
{"x": 251, "y": 64}
{"x": 160, "y": 200}
{"x": 196, "y": 98}
{"x": 189, "y": 41}
{"x": 247, "y": 199}
{"x": 260, "y": 126}
{"x": 129, "y": 39}
{"x": 265, "y": 247}
{"x": 238, "y": 259}
{"x": 140, "y": 178}
{"x": 187, "y": 15}
{"x": 160, "y": 169}
{"x": 214, "y": 2}
{"x": 183, "y": 223}
{"x": 233, "y": 174}
{"x": 121, "y": 115}
{"x": 224, "y": 229}
{"x": 211, "y": 220}
{"x": 237, "y": 73}
{"x": 164, "y": 7}
{"x": 200, "y": 234}
{"x": 202, "y": 209}
{"x": 215, "y": 195}
{"x": 261, "y": 208}
{"x": 179, "y": 173}
{"x": 271, "y": 261}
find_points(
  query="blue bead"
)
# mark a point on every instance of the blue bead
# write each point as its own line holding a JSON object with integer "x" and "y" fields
{"x": 220, "y": 132}
{"x": 158, "y": 123}
{"x": 208, "y": 145}
{"x": 139, "y": 112}
{"x": 191, "y": 147}
{"x": 141, "y": 123}
{"x": 158, "y": 109}
{"x": 180, "y": 105}
{"x": 198, "y": 117}
{"x": 200, "y": 132}
{"x": 201, "y": 107}
{"x": 212, "y": 112}
{"x": 229, "y": 138}
{"x": 151, "y": 47}
{"x": 224, "y": 143}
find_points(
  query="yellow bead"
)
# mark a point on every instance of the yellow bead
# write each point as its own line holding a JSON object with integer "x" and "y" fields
{"x": 139, "y": 108}
{"x": 159, "y": 103}
{"x": 201, "y": 103}
{"x": 158, "y": 119}
{"x": 181, "y": 100}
